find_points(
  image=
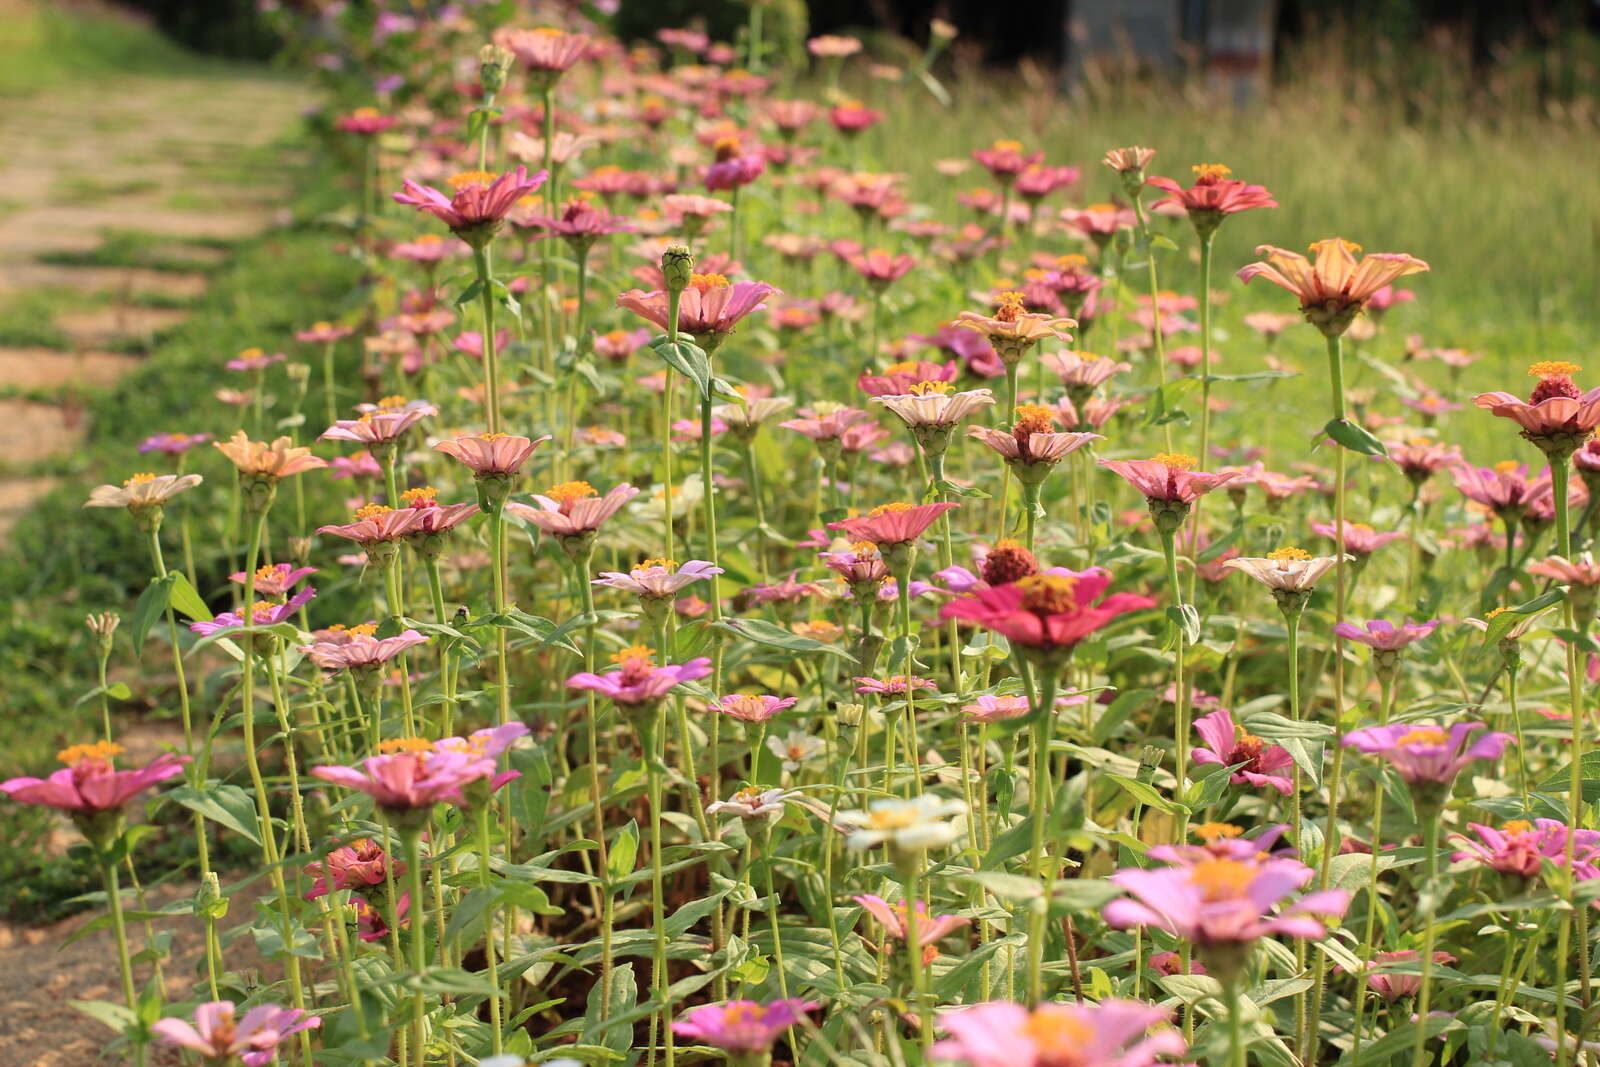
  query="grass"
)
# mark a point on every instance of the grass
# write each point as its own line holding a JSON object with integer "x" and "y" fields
{"x": 45, "y": 47}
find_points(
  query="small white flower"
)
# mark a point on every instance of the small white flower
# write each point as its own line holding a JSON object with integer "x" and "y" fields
{"x": 796, "y": 748}
{"x": 906, "y": 825}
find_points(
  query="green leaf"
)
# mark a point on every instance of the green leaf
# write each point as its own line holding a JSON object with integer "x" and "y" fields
{"x": 763, "y": 632}
{"x": 226, "y": 805}
{"x": 186, "y": 600}
{"x": 1503, "y": 622}
{"x": 118, "y": 1017}
{"x": 688, "y": 359}
{"x": 1560, "y": 781}
{"x": 1185, "y": 619}
{"x": 1146, "y": 794}
{"x": 1354, "y": 437}
{"x": 152, "y": 603}
{"x": 456, "y": 980}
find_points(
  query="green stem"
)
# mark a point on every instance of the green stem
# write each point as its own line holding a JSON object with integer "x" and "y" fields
{"x": 1427, "y": 906}
{"x": 495, "y": 1026}
{"x": 491, "y": 358}
{"x": 1039, "y": 803}
{"x": 411, "y": 837}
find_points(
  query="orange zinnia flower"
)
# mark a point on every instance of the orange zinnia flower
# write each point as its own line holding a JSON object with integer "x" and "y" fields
{"x": 1336, "y": 286}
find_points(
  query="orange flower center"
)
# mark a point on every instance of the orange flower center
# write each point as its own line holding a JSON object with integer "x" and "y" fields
{"x": 702, "y": 282}
{"x": 1058, "y": 1036}
{"x": 101, "y": 751}
{"x": 885, "y": 509}
{"x": 1316, "y": 247}
{"x": 1506, "y": 466}
{"x": 364, "y": 629}
{"x": 1423, "y": 735}
{"x": 664, "y": 564}
{"x": 1209, "y": 173}
{"x": 1176, "y": 461}
{"x": 372, "y": 511}
{"x": 1216, "y": 831}
{"x": 567, "y": 492}
{"x": 139, "y": 479}
{"x": 471, "y": 177}
{"x": 425, "y": 496}
{"x": 404, "y": 744}
{"x": 900, "y": 368}
{"x": 1048, "y": 594}
{"x": 633, "y": 652}
{"x": 1553, "y": 368}
{"x": 1221, "y": 879}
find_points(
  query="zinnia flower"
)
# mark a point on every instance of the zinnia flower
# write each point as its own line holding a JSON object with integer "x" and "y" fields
{"x": 358, "y": 647}
{"x": 931, "y": 929}
{"x": 1231, "y": 745}
{"x": 1013, "y": 329}
{"x": 359, "y": 865}
{"x": 658, "y": 579}
{"x": 1212, "y": 196}
{"x": 573, "y": 509}
{"x": 1557, "y": 416}
{"x": 892, "y": 524}
{"x": 752, "y": 803}
{"x": 751, "y": 707}
{"x": 142, "y": 493}
{"x": 1393, "y": 985}
{"x": 89, "y": 785}
{"x": 268, "y": 461}
{"x": 639, "y": 681}
{"x": 480, "y": 203}
{"x": 1032, "y": 446}
{"x": 1335, "y": 287}
{"x": 1425, "y": 754}
{"x": 1049, "y": 612}
{"x": 709, "y": 308}
{"x": 741, "y": 1025}
{"x": 1287, "y": 570}
{"x": 1112, "y": 1033}
{"x": 416, "y": 775}
{"x": 904, "y": 825}
{"x": 1359, "y": 538}
{"x": 217, "y": 1036}
{"x": 1222, "y": 901}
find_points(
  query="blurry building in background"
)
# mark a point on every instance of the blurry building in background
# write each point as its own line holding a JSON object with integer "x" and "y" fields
{"x": 1227, "y": 42}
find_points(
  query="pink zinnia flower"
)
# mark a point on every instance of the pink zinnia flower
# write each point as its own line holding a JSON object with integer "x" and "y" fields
{"x": 1229, "y": 745}
{"x": 991, "y": 708}
{"x": 323, "y": 333}
{"x": 378, "y": 427}
{"x": 480, "y": 203}
{"x": 741, "y": 1025}
{"x": 1225, "y": 901}
{"x": 372, "y": 925}
{"x": 851, "y": 117}
{"x": 89, "y": 784}
{"x": 1046, "y": 611}
{"x": 750, "y": 707}
{"x": 1425, "y": 754}
{"x": 934, "y": 405}
{"x": 365, "y": 121}
{"x": 825, "y": 424}
{"x": 638, "y": 680}
{"x": 1212, "y": 196}
{"x": 1383, "y": 636}
{"x": 1033, "y": 441}
{"x": 1580, "y": 572}
{"x": 1504, "y": 489}
{"x": 265, "y": 614}
{"x": 898, "y": 378}
{"x": 1100, "y": 222}
{"x": 658, "y": 579}
{"x": 1556, "y": 407}
{"x": 411, "y": 777}
{"x": 1420, "y": 458}
{"x": 879, "y": 268}
{"x": 544, "y": 49}
{"x": 275, "y": 579}
{"x": 172, "y": 444}
{"x": 1359, "y": 538}
{"x": 357, "y": 647}
{"x": 1167, "y": 477}
{"x": 894, "y": 685}
{"x": 931, "y": 929}
{"x": 1112, "y": 1033}
{"x": 1392, "y": 985}
{"x": 491, "y": 453}
{"x": 359, "y": 865}
{"x": 572, "y": 508}
{"x": 709, "y": 309}
{"x": 217, "y": 1036}
{"x": 1519, "y": 848}
{"x": 892, "y": 524}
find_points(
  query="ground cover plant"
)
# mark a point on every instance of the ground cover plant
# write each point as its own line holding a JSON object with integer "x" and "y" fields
{"x": 668, "y": 560}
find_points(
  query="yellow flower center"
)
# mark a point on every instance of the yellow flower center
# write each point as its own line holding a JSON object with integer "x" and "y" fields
{"x": 1222, "y": 879}
{"x": 363, "y": 629}
{"x": 1517, "y": 826}
{"x": 1071, "y": 260}
{"x": 319, "y": 326}
{"x": 632, "y": 652}
{"x": 1506, "y": 466}
{"x": 426, "y": 494}
{"x": 1553, "y": 368}
{"x": 1101, "y": 208}
{"x": 372, "y": 511}
{"x": 926, "y": 388}
{"x": 1423, "y": 735}
{"x": 430, "y": 239}
{"x": 250, "y": 353}
{"x": 404, "y": 744}
{"x": 140, "y": 479}
{"x": 1007, "y": 544}
{"x": 567, "y": 492}
{"x": 391, "y": 403}
{"x": 1287, "y": 553}
{"x": 99, "y": 750}
{"x": 900, "y": 368}
{"x": 664, "y": 564}
{"x": 366, "y": 112}
{"x": 897, "y": 817}
{"x": 747, "y": 796}
{"x": 267, "y": 572}
{"x": 885, "y": 509}
{"x": 1007, "y": 146}
{"x": 1048, "y": 594}
{"x": 1176, "y": 461}
{"x": 1215, "y": 831}
{"x": 471, "y": 177}
{"x": 493, "y": 436}
{"x": 1211, "y": 171}
{"x": 1316, "y": 247}
{"x": 702, "y": 282}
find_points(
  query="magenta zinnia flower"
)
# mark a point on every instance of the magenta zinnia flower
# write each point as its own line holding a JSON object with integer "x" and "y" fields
{"x": 89, "y": 784}
{"x": 491, "y": 453}
{"x": 1520, "y": 848}
{"x": 1425, "y": 754}
{"x": 264, "y": 614}
{"x": 275, "y": 579}
{"x": 1359, "y": 538}
{"x": 1167, "y": 477}
{"x": 479, "y": 204}
{"x": 359, "y": 865}
{"x": 1383, "y": 636}
{"x": 1212, "y": 196}
{"x": 217, "y": 1036}
{"x": 1046, "y": 611}
{"x": 752, "y": 707}
{"x": 1230, "y": 745}
{"x": 892, "y": 524}
{"x": 741, "y": 1025}
{"x": 638, "y": 680}
{"x": 1112, "y": 1033}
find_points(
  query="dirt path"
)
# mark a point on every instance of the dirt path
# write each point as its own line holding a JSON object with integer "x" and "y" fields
{"x": 114, "y": 198}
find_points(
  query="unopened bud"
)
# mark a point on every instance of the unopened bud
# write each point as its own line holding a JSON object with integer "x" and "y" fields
{"x": 298, "y": 372}
{"x": 677, "y": 267}
{"x": 103, "y": 624}
{"x": 851, "y": 714}
{"x": 494, "y": 64}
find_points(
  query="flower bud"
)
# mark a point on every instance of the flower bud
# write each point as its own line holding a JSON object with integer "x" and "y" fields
{"x": 851, "y": 714}
{"x": 494, "y": 64}
{"x": 677, "y": 267}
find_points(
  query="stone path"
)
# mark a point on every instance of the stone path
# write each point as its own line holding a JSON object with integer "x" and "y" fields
{"x": 115, "y": 197}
